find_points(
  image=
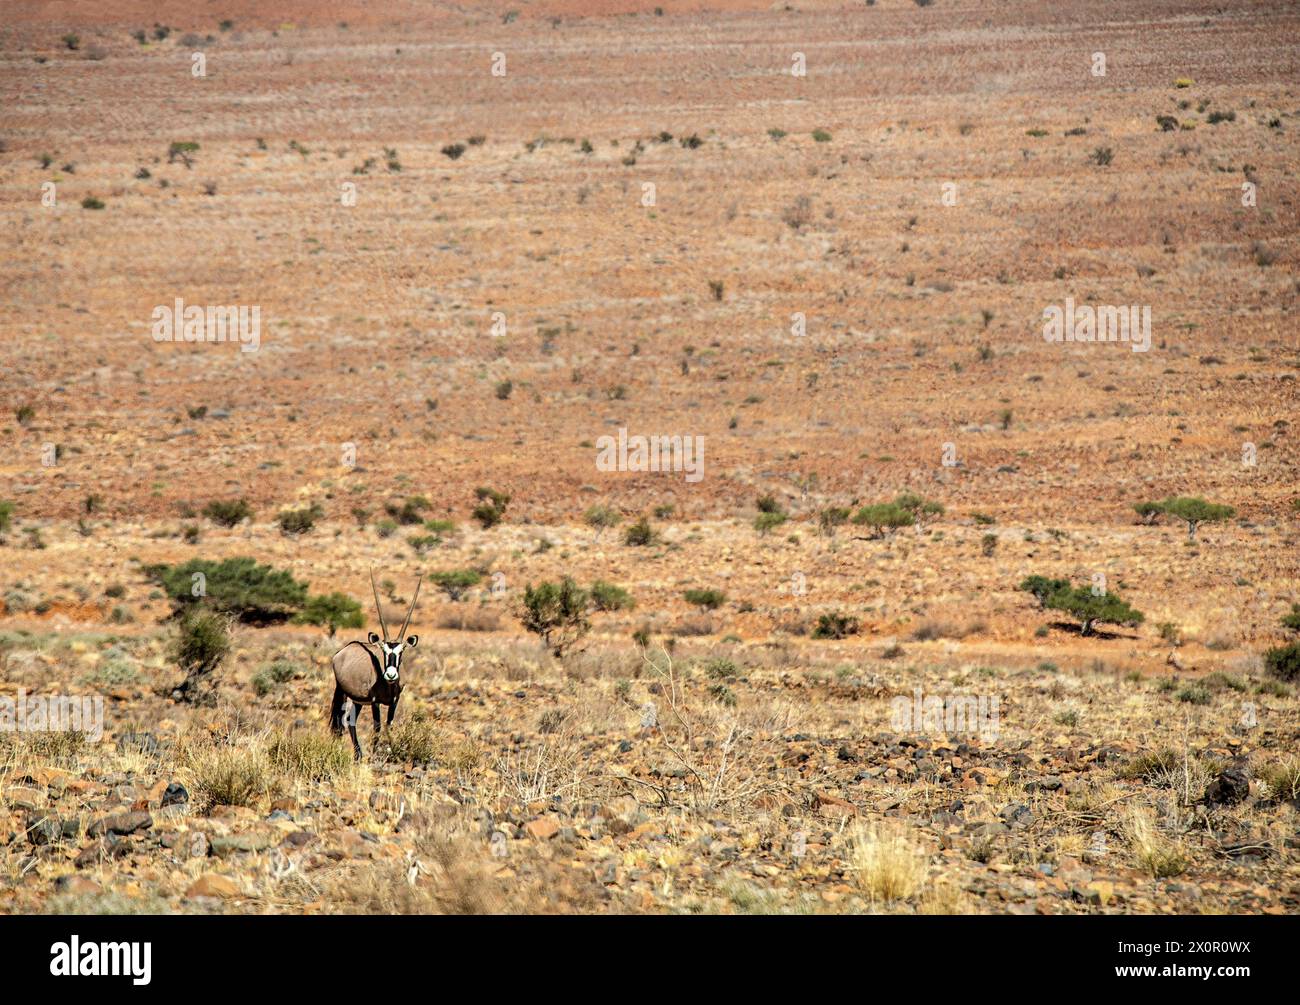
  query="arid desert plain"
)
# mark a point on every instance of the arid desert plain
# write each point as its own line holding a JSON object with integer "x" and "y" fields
{"x": 847, "y": 452}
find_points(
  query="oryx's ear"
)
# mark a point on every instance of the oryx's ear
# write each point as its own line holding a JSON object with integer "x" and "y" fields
{"x": 413, "y": 641}
{"x": 373, "y": 638}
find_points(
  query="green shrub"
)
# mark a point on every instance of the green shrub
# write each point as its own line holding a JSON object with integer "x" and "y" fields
{"x": 1291, "y": 621}
{"x": 202, "y": 642}
{"x": 491, "y": 509}
{"x": 409, "y": 511}
{"x": 709, "y": 600}
{"x": 6, "y": 516}
{"x": 831, "y": 518}
{"x": 298, "y": 521}
{"x": 835, "y": 626}
{"x": 640, "y": 534}
{"x": 722, "y": 694}
{"x": 228, "y": 512}
{"x": 921, "y": 508}
{"x": 721, "y": 669}
{"x": 272, "y": 675}
{"x": 1042, "y": 587}
{"x": 1284, "y": 662}
{"x": 609, "y": 597}
{"x": 602, "y": 518}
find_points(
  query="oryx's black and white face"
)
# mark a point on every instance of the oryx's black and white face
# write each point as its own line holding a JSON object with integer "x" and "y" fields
{"x": 391, "y": 654}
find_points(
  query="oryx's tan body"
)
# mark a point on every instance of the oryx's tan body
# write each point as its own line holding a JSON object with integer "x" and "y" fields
{"x": 357, "y": 673}
{"x": 364, "y": 676}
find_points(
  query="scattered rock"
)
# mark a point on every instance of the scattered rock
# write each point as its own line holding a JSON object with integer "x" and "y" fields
{"x": 121, "y": 823}
{"x": 543, "y": 828}
{"x": 1232, "y": 786}
{"x": 212, "y": 884}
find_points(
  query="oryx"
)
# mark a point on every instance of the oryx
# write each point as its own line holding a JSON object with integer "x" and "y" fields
{"x": 364, "y": 677}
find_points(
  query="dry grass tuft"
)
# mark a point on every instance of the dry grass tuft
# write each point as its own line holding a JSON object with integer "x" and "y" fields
{"x": 229, "y": 776}
{"x": 309, "y": 757}
{"x": 886, "y": 864}
{"x": 1155, "y": 852}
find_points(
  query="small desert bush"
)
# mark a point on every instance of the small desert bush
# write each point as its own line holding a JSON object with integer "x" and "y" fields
{"x": 609, "y": 597}
{"x": 1282, "y": 779}
{"x": 720, "y": 669}
{"x": 298, "y": 521}
{"x": 640, "y": 534}
{"x": 202, "y": 641}
{"x": 411, "y": 740}
{"x": 1284, "y": 662}
{"x": 273, "y": 675}
{"x": 331, "y": 611}
{"x": 409, "y": 511}
{"x": 835, "y": 626}
{"x": 1150, "y": 767}
{"x": 228, "y": 512}
{"x": 491, "y": 509}
{"x": 709, "y": 600}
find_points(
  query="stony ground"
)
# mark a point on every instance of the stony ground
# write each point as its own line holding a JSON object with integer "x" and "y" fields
{"x": 731, "y": 761}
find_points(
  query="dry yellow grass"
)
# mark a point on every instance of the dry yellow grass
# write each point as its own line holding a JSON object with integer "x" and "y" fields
{"x": 886, "y": 864}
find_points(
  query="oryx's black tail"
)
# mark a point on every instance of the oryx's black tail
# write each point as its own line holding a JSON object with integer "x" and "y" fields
{"x": 336, "y": 711}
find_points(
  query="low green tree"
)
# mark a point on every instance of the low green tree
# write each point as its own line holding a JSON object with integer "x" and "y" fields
{"x": 332, "y": 611}
{"x": 455, "y": 582}
{"x": 884, "y": 518}
{"x": 1091, "y": 609}
{"x": 240, "y": 587}
{"x": 1042, "y": 587}
{"x": 557, "y": 613}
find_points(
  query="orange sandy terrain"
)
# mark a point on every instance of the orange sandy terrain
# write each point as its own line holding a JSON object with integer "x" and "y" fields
{"x": 645, "y": 221}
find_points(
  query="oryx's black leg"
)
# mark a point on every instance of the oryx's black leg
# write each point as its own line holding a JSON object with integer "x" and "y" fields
{"x": 392, "y": 710}
{"x": 352, "y": 711}
{"x": 374, "y": 707}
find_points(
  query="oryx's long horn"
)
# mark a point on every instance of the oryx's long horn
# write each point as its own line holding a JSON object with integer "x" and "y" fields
{"x": 378, "y": 606}
{"x": 407, "y": 623}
